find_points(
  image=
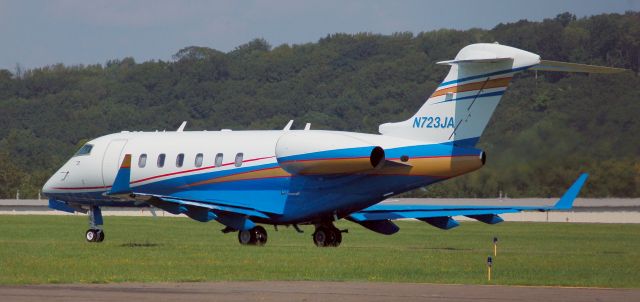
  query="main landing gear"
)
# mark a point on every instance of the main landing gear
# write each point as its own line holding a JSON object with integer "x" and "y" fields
{"x": 95, "y": 232}
{"x": 327, "y": 236}
{"x": 256, "y": 236}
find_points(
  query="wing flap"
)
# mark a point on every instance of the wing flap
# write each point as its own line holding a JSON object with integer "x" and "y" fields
{"x": 393, "y": 212}
{"x": 171, "y": 204}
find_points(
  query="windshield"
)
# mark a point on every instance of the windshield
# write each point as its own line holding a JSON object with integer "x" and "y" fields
{"x": 85, "y": 150}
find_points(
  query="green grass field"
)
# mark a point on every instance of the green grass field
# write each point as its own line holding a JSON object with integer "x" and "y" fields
{"x": 51, "y": 249}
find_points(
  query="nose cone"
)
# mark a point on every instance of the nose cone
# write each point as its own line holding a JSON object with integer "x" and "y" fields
{"x": 49, "y": 186}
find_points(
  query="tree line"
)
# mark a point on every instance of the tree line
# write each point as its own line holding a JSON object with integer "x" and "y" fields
{"x": 547, "y": 129}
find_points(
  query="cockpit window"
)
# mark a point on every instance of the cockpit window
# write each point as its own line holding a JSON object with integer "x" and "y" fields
{"x": 85, "y": 150}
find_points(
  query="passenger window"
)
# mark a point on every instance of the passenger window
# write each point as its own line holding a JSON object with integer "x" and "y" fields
{"x": 161, "y": 160}
{"x": 219, "y": 159}
{"x": 239, "y": 159}
{"x": 198, "y": 162}
{"x": 142, "y": 161}
{"x": 85, "y": 150}
{"x": 179, "y": 160}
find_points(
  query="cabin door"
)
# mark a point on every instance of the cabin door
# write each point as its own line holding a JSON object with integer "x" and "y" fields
{"x": 111, "y": 161}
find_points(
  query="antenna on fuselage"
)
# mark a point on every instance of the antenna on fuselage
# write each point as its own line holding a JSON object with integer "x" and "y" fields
{"x": 307, "y": 126}
{"x": 288, "y": 126}
{"x": 181, "y": 128}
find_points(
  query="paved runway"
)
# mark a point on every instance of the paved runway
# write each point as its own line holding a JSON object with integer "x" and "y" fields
{"x": 307, "y": 291}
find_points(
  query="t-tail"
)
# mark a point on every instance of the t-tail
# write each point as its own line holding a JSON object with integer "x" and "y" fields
{"x": 460, "y": 108}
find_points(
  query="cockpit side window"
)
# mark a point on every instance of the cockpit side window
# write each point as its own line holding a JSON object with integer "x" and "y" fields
{"x": 85, "y": 150}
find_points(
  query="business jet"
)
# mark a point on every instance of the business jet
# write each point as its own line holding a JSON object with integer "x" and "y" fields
{"x": 246, "y": 179}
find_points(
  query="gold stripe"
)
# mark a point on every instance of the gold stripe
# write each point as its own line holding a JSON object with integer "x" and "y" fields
{"x": 266, "y": 173}
{"x": 434, "y": 166}
{"x": 495, "y": 83}
{"x": 431, "y": 166}
{"x": 126, "y": 162}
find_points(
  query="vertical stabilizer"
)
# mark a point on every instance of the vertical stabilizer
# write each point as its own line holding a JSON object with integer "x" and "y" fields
{"x": 460, "y": 108}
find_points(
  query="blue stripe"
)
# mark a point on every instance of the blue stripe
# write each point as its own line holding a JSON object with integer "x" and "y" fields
{"x": 467, "y": 142}
{"x": 486, "y": 75}
{"x": 472, "y": 97}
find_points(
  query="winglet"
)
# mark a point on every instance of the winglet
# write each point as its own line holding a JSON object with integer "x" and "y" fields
{"x": 121, "y": 183}
{"x": 566, "y": 201}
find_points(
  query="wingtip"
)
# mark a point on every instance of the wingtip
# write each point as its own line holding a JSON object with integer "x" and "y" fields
{"x": 566, "y": 201}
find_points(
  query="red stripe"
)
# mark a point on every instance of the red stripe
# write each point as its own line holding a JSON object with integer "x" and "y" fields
{"x": 198, "y": 169}
{"x": 163, "y": 175}
{"x": 82, "y": 188}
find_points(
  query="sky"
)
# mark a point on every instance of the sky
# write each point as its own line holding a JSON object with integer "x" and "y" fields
{"x": 36, "y": 33}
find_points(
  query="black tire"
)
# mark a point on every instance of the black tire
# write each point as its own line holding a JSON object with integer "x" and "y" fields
{"x": 261, "y": 235}
{"x": 327, "y": 237}
{"x": 338, "y": 238}
{"x": 323, "y": 237}
{"x": 100, "y": 236}
{"x": 247, "y": 237}
{"x": 91, "y": 235}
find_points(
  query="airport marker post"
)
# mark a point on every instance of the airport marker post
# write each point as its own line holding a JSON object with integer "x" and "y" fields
{"x": 489, "y": 264}
{"x": 495, "y": 246}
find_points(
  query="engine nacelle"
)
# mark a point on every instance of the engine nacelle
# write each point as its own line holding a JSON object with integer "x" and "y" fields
{"x": 315, "y": 152}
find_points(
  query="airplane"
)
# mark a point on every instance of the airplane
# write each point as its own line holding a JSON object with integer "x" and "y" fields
{"x": 245, "y": 179}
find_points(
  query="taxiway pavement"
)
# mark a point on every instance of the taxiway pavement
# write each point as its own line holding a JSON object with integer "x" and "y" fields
{"x": 307, "y": 291}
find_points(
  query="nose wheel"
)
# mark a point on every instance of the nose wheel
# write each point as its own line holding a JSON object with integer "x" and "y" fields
{"x": 256, "y": 236}
{"x": 94, "y": 235}
{"x": 95, "y": 232}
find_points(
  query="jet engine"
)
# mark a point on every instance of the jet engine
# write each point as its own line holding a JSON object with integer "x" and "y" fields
{"x": 307, "y": 153}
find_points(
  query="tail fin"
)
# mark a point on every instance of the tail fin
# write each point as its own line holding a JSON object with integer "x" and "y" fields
{"x": 460, "y": 108}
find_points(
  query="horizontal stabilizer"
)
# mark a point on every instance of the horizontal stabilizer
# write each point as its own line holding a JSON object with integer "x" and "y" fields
{"x": 479, "y": 60}
{"x": 547, "y": 65}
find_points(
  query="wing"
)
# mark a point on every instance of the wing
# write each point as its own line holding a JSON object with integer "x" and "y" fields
{"x": 234, "y": 217}
{"x": 378, "y": 217}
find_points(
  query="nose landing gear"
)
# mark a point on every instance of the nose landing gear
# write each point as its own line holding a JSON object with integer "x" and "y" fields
{"x": 94, "y": 235}
{"x": 95, "y": 232}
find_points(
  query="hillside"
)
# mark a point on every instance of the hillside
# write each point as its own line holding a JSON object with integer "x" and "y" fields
{"x": 545, "y": 131}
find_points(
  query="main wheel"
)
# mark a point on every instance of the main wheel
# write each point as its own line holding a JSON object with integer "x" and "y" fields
{"x": 338, "y": 238}
{"x": 324, "y": 236}
{"x": 247, "y": 237}
{"x": 260, "y": 234}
